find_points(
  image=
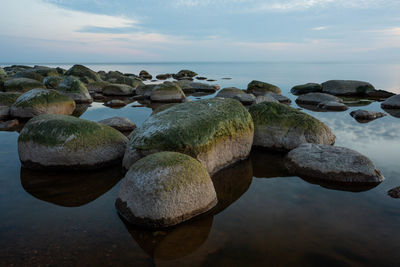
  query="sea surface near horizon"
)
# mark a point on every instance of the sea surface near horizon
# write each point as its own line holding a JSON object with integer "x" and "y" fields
{"x": 265, "y": 216}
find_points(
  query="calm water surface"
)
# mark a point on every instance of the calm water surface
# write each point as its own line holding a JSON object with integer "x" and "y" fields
{"x": 264, "y": 216}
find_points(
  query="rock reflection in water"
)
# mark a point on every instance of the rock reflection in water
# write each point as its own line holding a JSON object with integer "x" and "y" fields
{"x": 268, "y": 164}
{"x": 349, "y": 187}
{"x": 393, "y": 112}
{"x": 69, "y": 189}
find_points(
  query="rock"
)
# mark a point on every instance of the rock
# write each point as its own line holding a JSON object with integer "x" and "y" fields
{"x": 315, "y": 99}
{"x": 218, "y": 132}
{"x": 29, "y": 74}
{"x": 97, "y": 87}
{"x": 6, "y": 100}
{"x": 245, "y": 99}
{"x": 280, "y": 127}
{"x": 280, "y": 98}
{"x": 306, "y": 88}
{"x": 265, "y": 98}
{"x": 158, "y": 108}
{"x": 332, "y": 163}
{"x": 120, "y": 124}
{"x": 145, "y": 75}
{"x": 167, "y": 92}
{"x": 61, "y": 71}
{"x": 66, "y": 142}
{"x": 366, "y": 115}
{"x": 392, "y": 102}
{"x": 184, "y": 74}
{"x": 52, "y": 82}
{"x": 74, "y": 88}
{"x": 45, "y": 71}
{"x": 118, "y": 90}
{"x": 380, "y": 94}
{"x": 145, "y": 90}
{"x": 113, "y": 75}
{"x": 9, "y": 125}
{"x": 226, "y": 78}
{"x": 395, "y": 192}
{"x": 333, "y": 106}
{"x": 2, "y": 73}
{"x": 4, "y": 112}
{"x": 163, "y": 76}
{"x": 98, "y": 97}
{"x": 201, "y": 78}
{"x": 192, "y": 87}
{"x": 42, "y": 101}
{"x": 211, "y": 80}
{"x": 165, "y": 189}
{"x": 82, "y": 72}
{"x": 347, "y": 87}
{"x": 21, "y": 85}
{"x": 230, "y": 92}
{"x": 115, "y": 103}
{"x": 131, "y": 81}
{"x": 260, "y": 88}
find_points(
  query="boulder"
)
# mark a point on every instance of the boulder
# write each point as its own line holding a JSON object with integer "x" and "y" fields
{"x": 145, "y": 75}
{"x": 347, "y": 87}
{"x": 314, "y": 99}
{"x": 280, "y": 98}
{"x": 115, "y": 103}
{"x": 118, "y": 90}
{"x": 230, "y": 92}
{"x": 333, "y": 106}
{"x": 6, "y": 100}
{"x": 184, "y": 74}
{"x": 218, "y": 132}
{"x": 192, "y": 87}
{"x": 167, "y": 92}
{"x": 201, "y": 78}
{"x": 336, "y": 164}
{"x": 29, "y": 74}
{"x": 395, "y": 192}
{"x": 366, "y": 115}
{"x": 306, "y": 88}
{"x": 21, "y": 85}
{"x": 260, "y": 88}
{"x": 120, "y": 124}
{"x": 74, "y": 88}
{"x": 52, "y": 82}
{"x": 145, "y": 91}
{"x": 61, "y": 71}
{"x": 392, "y": 102}
{"x": 165, "y": 189}
{"x": 2, "y": 73}
{"x": 265, "y": 98}
{"x": 83, "y": 72}
{"x": 245, "y": 99}
{"x": 66, "y": 142}
{"x": 97, "y": 87}
{"x": 280, "y": 127}
{"x": 42, "y": 101}
{"x": 380, "y": 94}
{"x": 45, "y": 71}
{"x": 131, "y": 81}
{"x": 163, "y": 76}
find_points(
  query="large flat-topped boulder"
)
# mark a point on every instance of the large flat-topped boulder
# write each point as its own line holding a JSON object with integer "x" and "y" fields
{"x": 21, "y": 85}
{"x": 164, "y": 189}
{"x": 66, "y": 142}
{"x": 260, "y": 88}
{"x": 347, "y": 87}
{"x": 306, "y": 88}
{"x": 217, "y": 132}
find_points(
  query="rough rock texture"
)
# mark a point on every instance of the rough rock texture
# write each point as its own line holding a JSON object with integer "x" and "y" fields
{"x": 281, "y": 98}
{"x": 217, "y": 132}
{"x": 395, "y": 192}
{"x": 115, "y": 103}
{"x": 366, "y": 115}
{"x": 392, "y": 102}
{"x": 280, "y": 127}
{"x": 265, "y": 98}
{"x": 230, "y": 92}
{"x": 315, "y": 99}
{"x": 260, "y": 88}
{"x": 131, "y": 81}
{"x": 184, "y": 74}
{"x": 164, "y": 189}
{"x": 74, "y": 88}
{"x": 167, "y": 92}
{"x": 120, "y": 124}
{"x": 66, "y": 142}
{"x": 192, "y": 87}
{"x": 145, "y": 90}
{"x": 42, "y": 101}
{"x": 347, "y": 87}
{"x": 96, "y": 87}
{"x": 332, "y": 163}
{"x": 6, "y": 100}
{"x": 82, "y": 72}
{"x": 52, "y": 82}
{"x": 118, "y": 90}
{"x": 29, "y": 74}
{"x": 245, "y": 99}
{"x": 21, "y": 85}
{"x": 306, "y": 88}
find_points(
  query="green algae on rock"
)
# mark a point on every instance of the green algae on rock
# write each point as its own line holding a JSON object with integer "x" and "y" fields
{"x": 21, "y": 85}
{"x": 52, "y": 82}
{"x": 306, "y": 88}
{"x": 74, "y": 88}
{"x": 82, "y": 72}
{"x": 260, "y": 88}
{"x": 280, "y": 127}
{"x": 217, "y": 132}
{"x": 41, "y": 101}
{"x": 118, "y": 90}
{"x": 164, "y": 189}
{"x": 66, "y": 142}
{"x": 167, "y": 92}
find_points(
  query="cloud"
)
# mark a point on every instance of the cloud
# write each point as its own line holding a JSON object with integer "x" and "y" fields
{"x": 321, "y": 28}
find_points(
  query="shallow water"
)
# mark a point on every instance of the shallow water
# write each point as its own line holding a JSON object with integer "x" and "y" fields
{"x": 264, "y": 216}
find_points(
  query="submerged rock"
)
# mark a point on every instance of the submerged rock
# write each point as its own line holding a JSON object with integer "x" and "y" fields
{"x": 118, "y": 90}
{"x": 66, "y": 142}
{"x": 83, "y": 72}
{"x": 217, "y": 132}
{"x": 120, "y": 124}
{"x": 347, "y": 87}
{"x": 366, "y": 115}
{"x": 332, "y": 163}
{"x": 392, "y": 102}
{"x": 21, "y": 85}
{"x": 280, "y": 127}
{"x": 306, "y": 88}
{"x": 42, "y": 101}
{"x": 167, "y": 92}
{"x": 395, "y": 192}
{"x": 165, "y": 189}
{"x": 380, "y": 94}
{"x": 261, "y": 88}
{"x": 74, "y": 88}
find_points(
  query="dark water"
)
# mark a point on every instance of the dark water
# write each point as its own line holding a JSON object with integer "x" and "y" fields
{"x": 264, "y": 217}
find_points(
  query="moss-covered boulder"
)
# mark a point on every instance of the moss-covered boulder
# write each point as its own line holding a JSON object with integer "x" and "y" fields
{"x": 42, "y": 101}
{"x": 21, "y": 85}
{"x": 82, "y": 72}
{"x": 118, "y": 90}
{"x": 230, "y": 92}
{"x": 3, "y": 73}
{"x": 66, "y": 142}
{"x": 280, "y": 127}
{"x": 347, "y": 87}
{"x": 74, "y": 88}
{"x": 131, "y": 81}
{"x": 184, "y": 74}
{"x": 97, "y": 87}
{"x": 217, "y": 132}
{"x": 164, "y": 189}
{"x": 145, "y": 91}
{"x": 306, "y": 88}
{"x": 167, "y": 92}
{"x": 6, "y": 100}
{"x": 30, "y": 74}
{"x": 52, "y": 82}
{"x": 164, "y": 76}
{"x": 145, "y": 75}
{"x": 260, "y": 88}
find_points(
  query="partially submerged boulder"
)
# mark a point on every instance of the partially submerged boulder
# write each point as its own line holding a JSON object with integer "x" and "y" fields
{"x": 119, "y": 123}
{"x": 280, "y": 98}
{"x": 347, "y": 87}
{"x": 145, "y": 75}
{"x": 83, "y": 72}
{"x": 184, "y": 74}
{"x": 6, "y": 100}
{"x": 165, "y": 189}
{"x": 333, "y": 106}
{"x": 145, "y": 91}
{"x": 21, "y": 85}
{"x": 280, "y": 127}
{"x": 118, "y": 90}
{"x": 394, "y": 192}
{"x": 115, "y": 103}
{"x": 316, "y": 99}
{"x": 74, "y": 88}
{"x": 97, "y": 87}
{"x": 337, "y": 164}
{"x": 163, "y": 76}
{"x": 217, "y": 132}
{"x": 42, "y": 101}
{"x": 230, "y": 92}
{"x": 167, "y": 92}
{"x": 306, "y": 88}
{"x": 392, "y": 102}
{"x": 192, "y": 87}
{"x": 260, "y": 88}
{"x": 245, "y": 99}
{"x": 366, "y": 115}
{"x": 66, "y": 142}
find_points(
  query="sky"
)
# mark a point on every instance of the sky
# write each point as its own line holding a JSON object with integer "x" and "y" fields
{"x": 90, "y": 31}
